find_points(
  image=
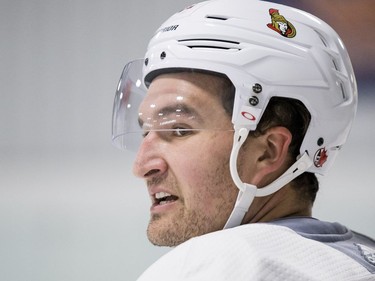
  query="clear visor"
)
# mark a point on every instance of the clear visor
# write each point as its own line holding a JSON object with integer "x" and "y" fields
{"x": 170, "y": 113}
{"x": 126, "y": 131}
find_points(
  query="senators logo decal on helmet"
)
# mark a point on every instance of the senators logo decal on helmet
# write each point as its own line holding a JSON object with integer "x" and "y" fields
{"x": 281, "y": 25}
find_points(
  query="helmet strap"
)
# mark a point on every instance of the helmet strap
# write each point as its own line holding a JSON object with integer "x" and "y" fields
{"x": 247, "y": 192}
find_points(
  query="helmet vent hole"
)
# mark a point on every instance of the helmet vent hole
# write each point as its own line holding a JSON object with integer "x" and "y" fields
{"x": 324, "y": 41}
{"x": 335, "y": 64}
{"x": 216, "y": 17}
{"x": 342, "y": 91}
{"x": 208, "y": 43}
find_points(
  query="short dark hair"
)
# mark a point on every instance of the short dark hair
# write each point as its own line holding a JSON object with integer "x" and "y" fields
{"x": 291, "y": 114}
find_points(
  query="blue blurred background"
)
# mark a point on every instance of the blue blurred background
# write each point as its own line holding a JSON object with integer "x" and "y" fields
{"x": 69, "y": 206}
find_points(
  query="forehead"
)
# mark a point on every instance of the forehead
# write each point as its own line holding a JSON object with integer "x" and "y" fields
{"x": 189, "y": 91}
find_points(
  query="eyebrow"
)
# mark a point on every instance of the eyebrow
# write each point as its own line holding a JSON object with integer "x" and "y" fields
{"x": 182, "y": 108}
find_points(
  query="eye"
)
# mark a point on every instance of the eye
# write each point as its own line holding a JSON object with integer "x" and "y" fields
{"x": 181, "y": 132}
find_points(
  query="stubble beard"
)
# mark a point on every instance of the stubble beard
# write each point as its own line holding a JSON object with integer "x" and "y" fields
{"x": 173, "y": 233}
{"x": 187, "y": 224}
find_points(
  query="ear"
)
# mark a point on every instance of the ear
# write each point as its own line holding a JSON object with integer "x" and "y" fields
{"x": 273, "y": 155}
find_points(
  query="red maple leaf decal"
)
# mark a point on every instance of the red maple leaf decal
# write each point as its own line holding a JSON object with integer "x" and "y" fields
{"x": 321, "y": 157}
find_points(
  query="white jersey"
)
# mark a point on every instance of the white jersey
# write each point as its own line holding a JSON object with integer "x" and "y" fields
{"x": 264, "y": 251}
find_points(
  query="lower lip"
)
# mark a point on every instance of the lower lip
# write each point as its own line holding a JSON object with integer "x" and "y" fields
{"x": 156, "y": 208}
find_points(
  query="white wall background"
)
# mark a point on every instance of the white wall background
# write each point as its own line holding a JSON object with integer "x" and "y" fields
{"x": 69, "y": 206}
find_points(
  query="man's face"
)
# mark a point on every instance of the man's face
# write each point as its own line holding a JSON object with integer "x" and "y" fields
{"x": 187, "y": 172}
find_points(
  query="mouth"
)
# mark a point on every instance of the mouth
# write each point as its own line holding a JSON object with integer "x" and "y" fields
{"x": 162, "y": 198}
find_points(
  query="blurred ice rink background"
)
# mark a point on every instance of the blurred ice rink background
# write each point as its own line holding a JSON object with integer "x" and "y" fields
{"x": 70, "y": 208}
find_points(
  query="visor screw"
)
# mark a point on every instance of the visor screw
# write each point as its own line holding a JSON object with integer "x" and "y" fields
{"x": 320, "y": 141}
{"x": 257, "y": 88}
{"x": 146, "y": 61}
{"x": 254, "y": 101}
{"x": 163, "y": 55}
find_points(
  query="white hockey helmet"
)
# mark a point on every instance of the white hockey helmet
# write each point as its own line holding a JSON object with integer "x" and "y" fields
{"x": 244, "y": 39}
{"x": 266, "y": 50}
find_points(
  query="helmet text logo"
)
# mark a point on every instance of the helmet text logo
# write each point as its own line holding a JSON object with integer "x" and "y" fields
{"x": 169, "y": 28}
{"x": 281, "y": 25}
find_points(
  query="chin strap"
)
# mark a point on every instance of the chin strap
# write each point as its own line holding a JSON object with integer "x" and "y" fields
{"x": 247, "y": 192}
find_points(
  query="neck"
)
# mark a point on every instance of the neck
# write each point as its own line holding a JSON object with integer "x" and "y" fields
{"x": 283, "y": 203}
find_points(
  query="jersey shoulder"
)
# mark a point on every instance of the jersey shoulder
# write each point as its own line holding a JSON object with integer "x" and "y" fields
{"x": 254, "y": 252}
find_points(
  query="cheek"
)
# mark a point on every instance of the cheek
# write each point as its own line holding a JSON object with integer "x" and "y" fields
{"x": 206, "y": 156}
{"x": 204, "y": 174}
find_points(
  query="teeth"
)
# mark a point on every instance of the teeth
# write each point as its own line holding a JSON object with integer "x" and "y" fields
{"x": 163, "y": 202}
{"x": 160, "y": 195}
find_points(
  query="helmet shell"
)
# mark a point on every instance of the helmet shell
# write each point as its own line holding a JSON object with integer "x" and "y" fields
{"x": 267, "y": 50}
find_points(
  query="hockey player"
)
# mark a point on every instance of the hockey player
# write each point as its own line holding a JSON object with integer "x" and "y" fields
{"x": 235, "y": 108}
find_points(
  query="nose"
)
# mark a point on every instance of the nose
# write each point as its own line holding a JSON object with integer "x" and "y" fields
{"x": 149, "y": 161}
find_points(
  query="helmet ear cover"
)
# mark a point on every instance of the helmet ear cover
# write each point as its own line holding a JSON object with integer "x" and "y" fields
{"x": 289, "y": 113}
